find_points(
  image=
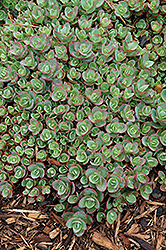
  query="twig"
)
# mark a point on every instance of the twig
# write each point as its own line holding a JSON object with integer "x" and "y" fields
{"x": 21, "y": 237}
{"x": 146, "y": 212}
{"x": 111, "y": 5}
{"x": 22, "y": 24}
{"x": 10, "y": 17}
{"x": 155, "y": 203}
{"x": 57, "y": 247}
{"x": 21, "y": 210}
{"x": 117, "y": 227}
{"x": 36, "y": 151}
{"x": 27, "y": 217}
{"x": 25, "y": 241}
{"x": 19, "y": 12}
{"x": 73, "y": 242}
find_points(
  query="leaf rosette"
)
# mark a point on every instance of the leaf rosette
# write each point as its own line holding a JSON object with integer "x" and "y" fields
{"x": 75, "y": 99}
{"x": 7, "y": 74}
{"x": 61, "y": 52}
{"x": 18, "y": 50}
{"x": 105, "y": 138}
{"x": 88, "y": 6}
{"x": 61, "y": 109}
{"x": 90, "y": 199}
{"x": 77, "y": 221}
{"x": 64, "y": 187}
{"x": 127, "y": 113}
{"x": 70, "y": 13}
{"x": 74, "y": 172}
{"x": 98, "y": 117}
{"x": 160, "y": 115}
{"x": 118, "y": 152}
{"x": 162, "y": 136}
{"x": 39, "y": 86}
{"x": 73, "y": 75}
{"x": 114, "y": 104}
{"x": 151, "y": 141}
{"x": 90, "y": 76}
{"x": 46, "y": 135}
{"x": 115, "y": 128}
{"x": 37, "y": 170}
{"x": 82, "y": 156}
{"x": 83, "y": 127}
{"x": 114, "y": 184}
{"x": 94, "y": 96}
{"x": 94, "y": 145}
{"x": 162, "y": 180}
{"x": 133, "y": 130}
{"x": 64, "y": 33}
{"x": 97, "y": 178}
{"x": 84, "y": 23}
{"x": 38, "y": 14}
{"x": 6, "y": 189}
{"x": 53, "y": 11}
{"x": 111, "y": 216}
{"x": 35, "y": 126}
{"x": 49, "y": 69}
{"x": 29, "y": 61}
{"x": 59, "y": 93}
{"x": 40, "y": 44}
{"x": 82, "y": 50}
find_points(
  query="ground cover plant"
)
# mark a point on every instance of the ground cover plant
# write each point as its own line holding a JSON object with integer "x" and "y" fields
{"x": 83, "y": 104}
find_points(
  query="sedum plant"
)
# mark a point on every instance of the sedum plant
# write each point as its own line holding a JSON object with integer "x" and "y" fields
{"x": 82, "y": 104}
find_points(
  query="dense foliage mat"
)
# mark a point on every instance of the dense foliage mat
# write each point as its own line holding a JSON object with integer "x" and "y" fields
{"x": 83, "y": 104}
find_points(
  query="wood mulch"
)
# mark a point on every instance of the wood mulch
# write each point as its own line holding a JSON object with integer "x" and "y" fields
{"x": 26, "y": 226}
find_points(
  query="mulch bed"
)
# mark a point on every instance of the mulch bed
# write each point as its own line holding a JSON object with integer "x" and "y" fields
{"x": 26, "y": 226}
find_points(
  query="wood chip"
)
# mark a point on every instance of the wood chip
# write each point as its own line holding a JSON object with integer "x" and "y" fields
{"x": 117, "y": 227}
{"x": 11, "y": 220}
{"x": 125, "y": 241}
{"x": 65, "y": 237}
{"x": 58, "y": 219}
{"x": 100, "y": 240}
{"x": 53, "y": 234}
{"x": 47, "y": 229}
{"x": 141, "y": 209}
{"x": 42, "y": 246}
{"x": 159, "y": 242}
{"x": 133, "y": 229}
{"x": 144, "y": 244}
{"x": 37, "y": 216}
{"x": 42, "y": 238}
{"x": 120, "y": 245}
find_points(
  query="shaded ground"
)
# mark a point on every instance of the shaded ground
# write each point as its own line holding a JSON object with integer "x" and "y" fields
{"x": 37, "y": 226}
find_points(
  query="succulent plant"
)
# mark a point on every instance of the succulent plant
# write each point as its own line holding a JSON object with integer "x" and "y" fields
{"x": 82, "y": 103}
